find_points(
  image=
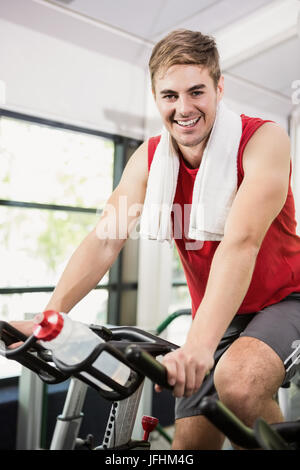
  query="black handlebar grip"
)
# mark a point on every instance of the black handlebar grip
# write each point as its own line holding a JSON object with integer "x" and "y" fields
{"x": 147, "y": 365}
{"x": 227, "y": 422}
{"x": 10, "y": 335}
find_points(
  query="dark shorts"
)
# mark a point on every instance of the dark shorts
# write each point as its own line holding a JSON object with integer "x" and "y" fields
{"x": 277, "y": 325}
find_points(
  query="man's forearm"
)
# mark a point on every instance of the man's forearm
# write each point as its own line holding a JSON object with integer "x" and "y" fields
{"x": 85, "y": 269}
{"x": 229, "y": 279}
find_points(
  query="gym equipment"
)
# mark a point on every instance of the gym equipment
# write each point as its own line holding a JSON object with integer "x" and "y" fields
{"x": 277, "y": 436}
{"x": 137, "y": 349}
{"x": 121, "y": 342}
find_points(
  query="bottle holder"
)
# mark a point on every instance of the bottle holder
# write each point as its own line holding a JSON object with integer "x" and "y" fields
{"x": 36, "y": 358}
{"x": 86, "y": 372}
{"x": 130, "y": 346}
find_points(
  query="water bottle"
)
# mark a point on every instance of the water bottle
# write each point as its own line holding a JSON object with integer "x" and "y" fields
{"x": 71, "y": 342}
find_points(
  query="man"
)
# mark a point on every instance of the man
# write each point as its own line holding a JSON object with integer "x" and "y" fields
{"x": 243, "y": 285}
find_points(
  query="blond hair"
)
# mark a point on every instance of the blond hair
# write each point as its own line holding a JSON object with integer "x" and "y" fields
{"x": 183, "y": 46}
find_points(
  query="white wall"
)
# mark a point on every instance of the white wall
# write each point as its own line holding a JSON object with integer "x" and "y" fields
{"x": 52, "y": 78}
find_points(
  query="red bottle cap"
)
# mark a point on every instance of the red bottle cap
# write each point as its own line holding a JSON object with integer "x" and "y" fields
{"x": 49, "y": 325}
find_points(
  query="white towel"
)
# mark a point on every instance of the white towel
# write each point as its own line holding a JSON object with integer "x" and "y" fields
{"x": 214, "y": 189}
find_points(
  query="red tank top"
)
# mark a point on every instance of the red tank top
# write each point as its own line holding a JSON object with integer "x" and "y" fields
{"x": 277, "y": 269}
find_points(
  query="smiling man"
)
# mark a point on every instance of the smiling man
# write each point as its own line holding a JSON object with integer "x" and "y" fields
{"x": 245, "y": 287}
{"x": 188, "y": 112}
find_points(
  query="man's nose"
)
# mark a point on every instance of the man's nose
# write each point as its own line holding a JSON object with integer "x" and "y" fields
{"x": 184, "y": 106}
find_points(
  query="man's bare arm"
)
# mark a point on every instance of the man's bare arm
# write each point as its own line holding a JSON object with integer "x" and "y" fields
{"x": 96, "y": 254}
{"x": 98, "y": 251}
{"x": 259, "y": 200}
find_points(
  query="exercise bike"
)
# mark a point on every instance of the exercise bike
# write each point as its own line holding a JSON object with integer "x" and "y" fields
{"x": 137, "y": 349}
{"x": 133, "y": 347}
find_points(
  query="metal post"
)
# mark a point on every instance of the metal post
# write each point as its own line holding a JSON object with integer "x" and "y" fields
{"x": 30, "y": 407}
{"x": 31, "y": 389}
{"x": 115, "y": 272}
{"x": 68, "y": 423}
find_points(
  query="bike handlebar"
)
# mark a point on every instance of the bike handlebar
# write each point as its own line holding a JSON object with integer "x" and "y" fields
{"x": 138, "y": 349}
{"x": 147, "y": 365}
{"x": 116, "y": 341}
{"x": 26, "y": 354}
{"x": 219, "y": 415}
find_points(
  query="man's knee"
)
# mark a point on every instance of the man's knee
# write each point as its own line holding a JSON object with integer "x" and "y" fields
{"x": 236, "y": 392}
{"x": 247, "y": 375}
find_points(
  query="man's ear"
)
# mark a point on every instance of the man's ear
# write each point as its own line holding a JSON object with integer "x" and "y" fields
{"x": 220, "y": 88}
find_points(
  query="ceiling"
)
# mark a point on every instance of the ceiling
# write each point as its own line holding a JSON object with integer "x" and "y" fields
{"x": 258, "y": 40}
{"x": 151, "y": 19}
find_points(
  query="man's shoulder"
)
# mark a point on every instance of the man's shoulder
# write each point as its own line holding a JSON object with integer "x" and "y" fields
{"x": 268, "y": 133}
{"x": 152, "y": 145}
{"x": 154, "y": 140}
{"x": 270, "y": 141}
{"x": 250, "y": 126}
{"x": 249, "y": 122}
{"x": 259, "y": 136}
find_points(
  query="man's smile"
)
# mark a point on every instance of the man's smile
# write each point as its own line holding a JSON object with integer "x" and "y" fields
{"x": 184, "y": 123}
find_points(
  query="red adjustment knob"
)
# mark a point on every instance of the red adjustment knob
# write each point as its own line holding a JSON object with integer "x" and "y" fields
{"x": 149, "y": 423}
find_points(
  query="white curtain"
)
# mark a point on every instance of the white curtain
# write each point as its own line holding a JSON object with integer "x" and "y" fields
{"x": 295, "y": 141}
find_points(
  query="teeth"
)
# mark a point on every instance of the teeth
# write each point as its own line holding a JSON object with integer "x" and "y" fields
{"x": 188, "y": 123}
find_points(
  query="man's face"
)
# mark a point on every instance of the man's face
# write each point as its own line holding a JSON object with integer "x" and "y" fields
{"x": 187, "y": 101}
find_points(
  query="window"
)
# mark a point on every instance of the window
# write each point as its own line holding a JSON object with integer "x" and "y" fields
{"x": 54, "y": 182}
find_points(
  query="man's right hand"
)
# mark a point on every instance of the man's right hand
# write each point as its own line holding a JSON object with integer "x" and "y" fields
{"x": 25, "y": 326}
